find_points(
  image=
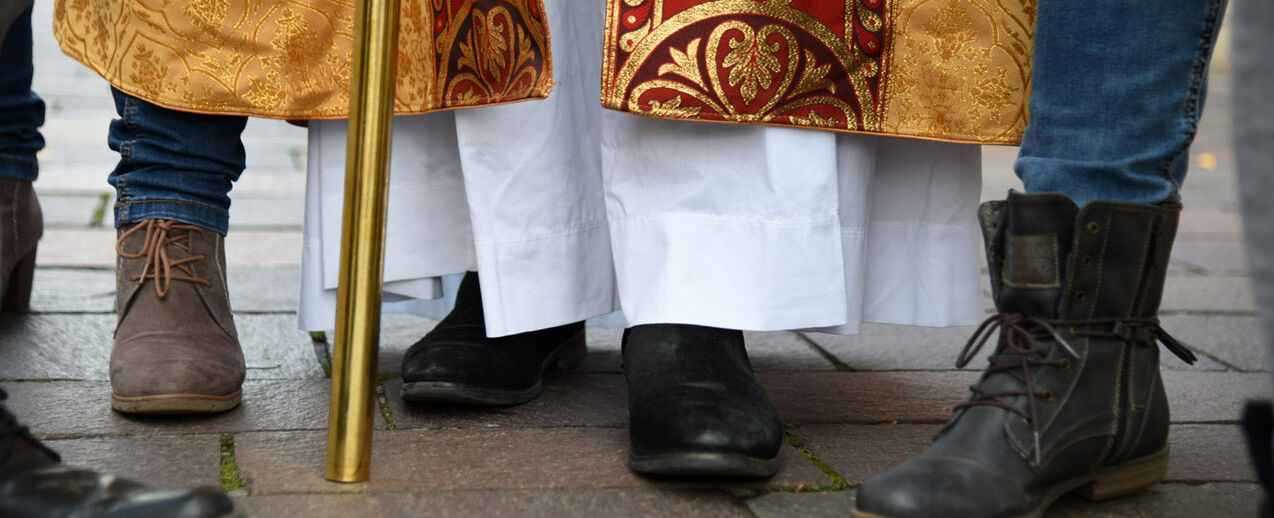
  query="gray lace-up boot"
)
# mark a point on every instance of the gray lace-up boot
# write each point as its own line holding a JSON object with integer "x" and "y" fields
{"x": 21, "y": 225}
{"x": 1072, "y": 400}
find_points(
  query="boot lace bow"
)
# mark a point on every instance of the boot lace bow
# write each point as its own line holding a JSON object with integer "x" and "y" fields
{"x": 1019, "y": 352}
{"x": 158, "y": 265}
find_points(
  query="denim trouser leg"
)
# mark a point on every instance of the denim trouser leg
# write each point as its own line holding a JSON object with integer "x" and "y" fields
{"x": 1117, "y": 90}
{"x": 174, "y": 165}
{"x": 21, "y": 111}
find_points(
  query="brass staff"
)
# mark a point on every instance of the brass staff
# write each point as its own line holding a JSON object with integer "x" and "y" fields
{"x": 349, "y": 435}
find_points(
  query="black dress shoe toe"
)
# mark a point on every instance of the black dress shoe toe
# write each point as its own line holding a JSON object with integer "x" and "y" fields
{"x": 694, "y": 406}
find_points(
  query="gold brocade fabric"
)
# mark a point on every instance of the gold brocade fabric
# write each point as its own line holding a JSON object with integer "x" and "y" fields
{"x": 955, "y": 70}
{"x": 292, "y": 58}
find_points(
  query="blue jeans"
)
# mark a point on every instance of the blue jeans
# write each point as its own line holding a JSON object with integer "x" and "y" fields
{"x": 174, "y": 165}
{"x": 1117, "y": 91}
{"x": 21, "y": 111}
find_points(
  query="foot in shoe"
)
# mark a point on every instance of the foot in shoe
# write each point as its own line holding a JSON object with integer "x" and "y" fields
{"x": 457, "y": 363}
{"x": 34, "y": 483}
{"x": 176, "y": 349}
{"x": 1072, "y": 400}
{"x": 694, "y": 406}
{"x": 23, "y": 225}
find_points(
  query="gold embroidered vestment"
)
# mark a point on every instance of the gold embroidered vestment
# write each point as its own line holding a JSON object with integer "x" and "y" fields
{"x": 291, "y": 58}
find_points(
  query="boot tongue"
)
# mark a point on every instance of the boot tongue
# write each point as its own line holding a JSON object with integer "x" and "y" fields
{"x": 1037, "y": 244}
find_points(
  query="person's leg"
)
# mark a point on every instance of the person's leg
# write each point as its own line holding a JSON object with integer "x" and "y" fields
{"x": 1253, "y": 73}
{"x": 176, "y": 349}
{"x": 532, "y": 176}
{"x": 1072, "y": 399}
{"x": 21, "y": 115}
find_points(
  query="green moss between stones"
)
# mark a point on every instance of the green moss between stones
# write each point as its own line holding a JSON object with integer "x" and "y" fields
{"x": 231, "y": 478}
{"x": 838, "y": 482}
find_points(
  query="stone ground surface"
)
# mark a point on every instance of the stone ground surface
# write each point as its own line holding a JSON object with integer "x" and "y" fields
{"x": 852, "y": 405}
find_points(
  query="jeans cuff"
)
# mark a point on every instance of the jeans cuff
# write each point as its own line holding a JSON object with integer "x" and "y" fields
{"x": 14, "y": 168}
{"x": 203, "y": 216}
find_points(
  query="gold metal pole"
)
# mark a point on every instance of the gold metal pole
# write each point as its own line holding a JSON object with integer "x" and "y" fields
{"x": 349, "y": 433}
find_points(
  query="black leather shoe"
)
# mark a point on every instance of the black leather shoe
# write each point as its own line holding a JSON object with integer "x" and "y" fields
{"x": 34, "y": 483}
{"x": 457, "y": 363}
{"x": 694, "y": 407}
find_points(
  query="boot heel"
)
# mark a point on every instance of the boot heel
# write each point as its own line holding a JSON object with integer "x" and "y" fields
{"x": 17, "y": 292}
{"x": 1127, "y": 479}
{"x": 572, "y": 353}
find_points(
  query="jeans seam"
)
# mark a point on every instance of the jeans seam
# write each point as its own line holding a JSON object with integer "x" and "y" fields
{"x": 175, "y": 202}
{"x": 1206, "y": 44}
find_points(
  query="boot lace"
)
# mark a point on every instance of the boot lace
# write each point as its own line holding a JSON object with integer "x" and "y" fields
{"x": 9, "y": 426}
{"x": 1020, "y": 352}
{"x": 157, "y": 263}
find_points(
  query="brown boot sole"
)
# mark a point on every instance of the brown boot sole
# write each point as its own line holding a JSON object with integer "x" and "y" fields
{"x": 1127, "y": 479}
{"x": 175, "y": 404}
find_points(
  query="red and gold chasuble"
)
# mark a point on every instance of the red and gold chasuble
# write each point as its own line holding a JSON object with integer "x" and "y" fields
{"x": 291, "y": 58}
{"x": 956, "y": 70}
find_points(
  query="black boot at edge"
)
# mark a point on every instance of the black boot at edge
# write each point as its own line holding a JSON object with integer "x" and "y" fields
{"x": 456, "y": 363}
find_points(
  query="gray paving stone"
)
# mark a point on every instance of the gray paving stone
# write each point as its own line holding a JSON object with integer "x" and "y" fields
{"x": 569, "y": 399}
{"x": 247, "y": 213}
{"x": 66, "y": 290}
{"x": 82, "y": 408}
{"x": 884, "y": 347}
{"x": 1168, "y": 500}
{"x": 1209, "y": 224}
{"x": 95, "y": 248}
{"x": 778, "y": 504}
{"x": 68, "y": 346}
{"x": 928, "y": 396}
{"x": 71, "y": 210}
{"x": 538, "y": 503}
{"x": 527, "y": 458}
{"x": 1208, "y": 294}
{"x": 1237, "y": 341}
{"x": 1209, "y": 453}
{"x": 866, "y": 397}
{"x": 1215, "y": 257}
{"x": 1200, "y": 453}
{"x": 157, "y": 461}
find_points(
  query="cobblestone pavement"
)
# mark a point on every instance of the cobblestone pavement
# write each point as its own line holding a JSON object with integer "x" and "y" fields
{"x": 853, "y": 405}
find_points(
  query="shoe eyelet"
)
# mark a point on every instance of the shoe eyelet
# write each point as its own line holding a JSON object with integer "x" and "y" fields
{"x": 1066, "y": 364}
{"x": 1074, "y": 331}
{"x": 1048, "y": 396}
{"x": 1086, "y": 260}
{"x": 1093, "y": 227}
{"x": 1080, "y": 295}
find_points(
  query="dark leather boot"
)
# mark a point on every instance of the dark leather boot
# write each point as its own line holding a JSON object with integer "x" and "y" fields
{"x": 34, "y": 484}
{"x": 176, "y": 350}
{"x": 1072, "y": 400}
{"x": 21, "y": 225}
{"x": 457, "y": 363}
{"x": 694, "y": 407}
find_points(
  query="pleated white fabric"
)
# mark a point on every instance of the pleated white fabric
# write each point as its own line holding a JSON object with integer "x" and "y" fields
{"x": 739, "y": 227}
{"x": 765, "y": 229}
{"x": 513, "y": 191}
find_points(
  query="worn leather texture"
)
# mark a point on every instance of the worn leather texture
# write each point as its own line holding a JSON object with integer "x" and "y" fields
{"x": 1096, "y": 410}
{"x": 691, "y": 390}
{"x": 21, "y": 226}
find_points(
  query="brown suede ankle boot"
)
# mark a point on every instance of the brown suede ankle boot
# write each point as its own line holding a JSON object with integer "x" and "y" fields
{"x": 21, "y": 225}
{"x": 176, "y": 349}
{"x": 1072, "y": 400}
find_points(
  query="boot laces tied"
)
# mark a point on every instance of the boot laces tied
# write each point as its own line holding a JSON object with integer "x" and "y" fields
{"x": 9, "y": 426}
{"x": 158, "y": 265}
{"x": 1020, "y": 351}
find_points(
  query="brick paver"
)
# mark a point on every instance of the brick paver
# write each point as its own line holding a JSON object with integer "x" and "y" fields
{"x": 853, "y": 405}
